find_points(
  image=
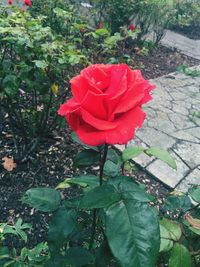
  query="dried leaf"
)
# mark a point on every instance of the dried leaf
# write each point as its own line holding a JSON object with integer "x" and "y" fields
{"x": 193, "y": 222}
{"x": 9, "y": 164}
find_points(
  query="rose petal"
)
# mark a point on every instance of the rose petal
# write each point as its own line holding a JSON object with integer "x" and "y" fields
{"x": 95, "y": 104}
{"x": 124, "y": 132}
{"x": 118, "y": 81}
{"x": 97, "y": 76}
{"x": 68, "y": 107}
{"x": 97, "y": 123}
{"x": 80, "y": 86}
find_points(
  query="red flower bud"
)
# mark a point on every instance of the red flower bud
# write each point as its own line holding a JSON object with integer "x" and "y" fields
{"x": 27, "y": 2}
{"x": 132, "y": 27}
{"x": 10, "y": 2}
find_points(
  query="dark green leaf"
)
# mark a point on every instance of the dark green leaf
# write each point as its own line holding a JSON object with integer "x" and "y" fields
{"x": 62, "y": 224}
{"x": 180, "y": 257}
{"x": 103, "y": 255}
{"x": 43, "y": 199}
{"x": 173, "y": 203}
{"x": 100, "y": 197}
{"x": 77, "y": 257}
{"x": 130, "y": 189}
{"x": 111, "y": 168}
{"x": 87, "y": 157}
{"x": 133, "y": 235}
{"x": 162, "y": 155}
{"x": 131, "y": 152}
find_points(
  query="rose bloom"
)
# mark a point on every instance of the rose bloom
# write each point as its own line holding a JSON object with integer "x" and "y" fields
{"x": 106, "y": 104}
{"x": 27, "y": 3}
{"x": 132, "y": 27}
{"x": 10, "y": 2}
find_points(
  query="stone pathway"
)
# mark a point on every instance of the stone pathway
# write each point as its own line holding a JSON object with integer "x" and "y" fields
{"x": 173, "y": 123}
{"x": 187, "y": 46}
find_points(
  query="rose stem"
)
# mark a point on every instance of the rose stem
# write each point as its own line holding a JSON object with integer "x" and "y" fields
{"x": 102, "y": 162}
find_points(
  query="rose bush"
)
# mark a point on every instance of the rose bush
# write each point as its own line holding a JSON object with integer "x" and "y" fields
{"x": 106, "y": 107}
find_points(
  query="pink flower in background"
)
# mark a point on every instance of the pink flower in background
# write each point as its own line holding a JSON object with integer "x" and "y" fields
{"x": 10, "y": 2}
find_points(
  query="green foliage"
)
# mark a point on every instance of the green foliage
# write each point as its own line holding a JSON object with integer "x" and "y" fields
{"x": 33, "y": 64}
{"x": 180, "y": 256}
{"x": 43, "y": 199}
{"x": 144, "y": 15}
{"x": 187, "y": 15}
{"x": 133, "y": 218}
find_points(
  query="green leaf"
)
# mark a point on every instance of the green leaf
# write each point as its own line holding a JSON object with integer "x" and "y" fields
{"x": 180, "y": 257}
{"x": 103, "y": 255}
{"x": 40, "y": 64}
{"x": 100, "y": 197}
{"x": 43, "y": 199}
{"x": 173, "y": 203}
{"x": 195, "y": 194}
{"x": 173, "y": 228}
{"x": 87, "y": 157}
{"x": 162, "y": 155}
{"x": 82, "y": 180}
{"x": 130, "y": 189}
{"x": 132, "y": 231}
{"x": 62, "y": 224}
{"x": 111, "y": 168}
{"x": 78, "y": 256}
{"x": 4, "y": 253}
{"x": 131, "y": 152}
{"x": 165, "y": 243}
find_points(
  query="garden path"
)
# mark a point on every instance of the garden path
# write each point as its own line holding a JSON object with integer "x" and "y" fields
{"x": 187, "y": 46}
{"x": 173, "y": 123}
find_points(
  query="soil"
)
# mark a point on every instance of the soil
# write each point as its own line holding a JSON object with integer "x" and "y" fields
{"x": 162, "y": 61}
{"x": 189, "y": 31}
{"x": 53, "y": 162}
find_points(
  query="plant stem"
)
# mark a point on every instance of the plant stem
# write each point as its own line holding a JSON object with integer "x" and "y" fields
{"x": 94, "y": 221}
{"x": 102, "y": 162}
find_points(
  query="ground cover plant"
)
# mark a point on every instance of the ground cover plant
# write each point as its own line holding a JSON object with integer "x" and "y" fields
{"x": 102, "y": 215}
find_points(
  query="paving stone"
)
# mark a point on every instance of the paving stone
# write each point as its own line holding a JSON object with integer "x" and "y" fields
{"x": 189, "y": 153}
{"x": 192, "y": 178}
{"x": 186, "y": 136}
{"x": 188, "y": 46}
{"x": 153, "y": 137}
{"x": 143, "y": 160}
{"x": 171, "y": 125}
{"x": 166, "y": 174}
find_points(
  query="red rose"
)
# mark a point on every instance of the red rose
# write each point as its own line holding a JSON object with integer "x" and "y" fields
{"x": 106, "y": 104}
{"x": 132, "y": 27}
{"x": 10, "y": 2}
{"x": 27, "y": 2}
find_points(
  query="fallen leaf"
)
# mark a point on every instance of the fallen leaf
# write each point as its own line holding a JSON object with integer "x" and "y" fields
{"x": 9, "y": 164}
{"x": 192, "y": 221}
